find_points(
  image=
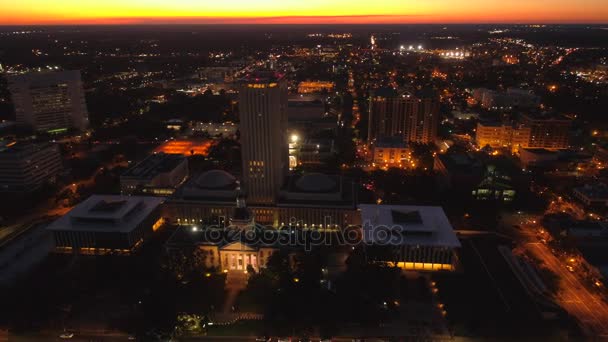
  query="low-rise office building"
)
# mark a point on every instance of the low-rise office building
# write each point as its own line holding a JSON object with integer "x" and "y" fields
{"x": 391, "y": 152}
{"x": 416, "y": 238}
{"x": 458, "y": 170}
{"x": 158, "y": 174}
{"x": 107, "y": 224}
{"x": 537, "y": 156}
{"x": 26, "y": 167}
{"x": 592, "y": 195}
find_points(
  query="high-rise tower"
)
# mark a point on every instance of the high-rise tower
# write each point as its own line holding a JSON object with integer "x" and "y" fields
{"x": 414, "y": 118}
{"x": 49, "y": 101}
{"x": 263, "y": 126}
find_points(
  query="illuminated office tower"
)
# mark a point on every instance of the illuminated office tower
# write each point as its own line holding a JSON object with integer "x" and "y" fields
{"x": 263, "y": 125}
{"x": 49, "y": 101}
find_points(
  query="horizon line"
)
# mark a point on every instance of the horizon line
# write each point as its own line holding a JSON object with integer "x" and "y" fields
{"x": 396, "y": 19}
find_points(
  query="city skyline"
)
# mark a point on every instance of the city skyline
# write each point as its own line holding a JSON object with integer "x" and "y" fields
{"x": 44, "y": 12}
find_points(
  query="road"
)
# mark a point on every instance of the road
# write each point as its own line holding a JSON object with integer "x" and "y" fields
{"x": 589, "y": 308}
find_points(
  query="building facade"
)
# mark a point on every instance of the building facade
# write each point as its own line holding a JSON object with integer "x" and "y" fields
{"x": 159, "y": 174}
{"x": 502, "y": 135}
{"x": 531, "y": 131}
{"x": 548, "y": 132}
{"x": 308, "y": 87}
{"x": 107, "y": 224}
{"x": 49, "y": 101}
{"x": 414, "y": 118}
{"x": 416, "y": 238}
{"x": 311, "y": 201}
{"x": 263, "y": 124}
{"x": 26, "y": 167}
{"x": 391, "y": 153}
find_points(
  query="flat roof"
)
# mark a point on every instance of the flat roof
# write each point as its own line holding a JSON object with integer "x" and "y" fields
{"x": 594, "y": 191}
{"x": 186, "y": 147}
{"x": 262, "y": 76}
{"x": 14, "y": 149}
{"x": 407, "y": 225}
{"x": 154, "y": 165}
{"x": 107, "y": 214}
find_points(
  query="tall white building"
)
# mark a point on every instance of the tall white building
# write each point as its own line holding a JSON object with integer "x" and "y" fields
{"x": 49, "y": 101}
{"x": 263, "y": 116}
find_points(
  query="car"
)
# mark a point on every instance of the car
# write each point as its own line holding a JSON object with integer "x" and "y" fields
{"x": 66, "y": 335}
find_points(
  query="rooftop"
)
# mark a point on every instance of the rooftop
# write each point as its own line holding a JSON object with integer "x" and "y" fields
{"x": 155, "y": 164}
{"x": 262, "y": 76}
{"x": 317, "y": 189}
{"x": 460, "y": 162}
{"x": 107, "y": 214}
{"x": 415, "y": 225}
{"x": 210, "y": 186}
{"x": 596, "y": 191}
{"x": 186, "y": 147}
{"x": 14, "y": 149}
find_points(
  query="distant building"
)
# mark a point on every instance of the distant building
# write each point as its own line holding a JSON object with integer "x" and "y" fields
{"x": 513, "y": 97}
{"x": 391, "y": 152}
{"x": 537, "y": 156}
{"x": 310, "y": 151}
{"x": 592, "y": 195}
{"x": 26, "y": 167}
{"x": 107, "y": 224}
{"x": 218, "y": 74}
{"x": 458, "y": 170}
{"x": 308, "y": 87}
{"x": 413, "y": 237}
{"x": 532, "y": 131}
{"x": 495, "y": 186}
{"x": 547, "y": 131}
{"x": 263, "y": 124}
{"x": 225, "y": 129}
{"x": 158, "y": 174}
{"x": 49, "y": 101}
{"x": 305, "y": 108}
{"x": 413, "y": 117}
{"x": 502, "y": 135}
{"x": 582, "y": 230}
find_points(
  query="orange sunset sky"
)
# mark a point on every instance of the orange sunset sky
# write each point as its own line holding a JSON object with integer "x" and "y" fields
{"x": 45, "y": 12}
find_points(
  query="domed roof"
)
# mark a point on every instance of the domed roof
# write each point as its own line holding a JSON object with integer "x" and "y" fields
{"x": 215, "y": 179}
{"x": 315, "y": 182}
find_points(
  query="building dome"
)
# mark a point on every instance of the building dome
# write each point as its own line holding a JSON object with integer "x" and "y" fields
{"x": 315, "y": 182}
{"x": 215, "y": 179}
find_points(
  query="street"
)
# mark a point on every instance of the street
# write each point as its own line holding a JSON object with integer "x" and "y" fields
{"x": 590, "y": 309}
